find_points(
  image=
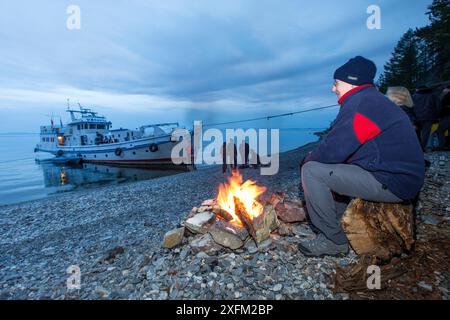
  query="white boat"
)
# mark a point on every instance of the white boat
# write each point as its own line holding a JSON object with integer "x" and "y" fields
{"x": 90, "y": 138}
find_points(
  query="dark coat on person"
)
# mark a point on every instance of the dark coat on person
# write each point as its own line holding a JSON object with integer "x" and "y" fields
{"x": 425, "y": 105}
{"x": 373, "y": 133}
{"x": 410, "y": 113}
{"x": 445, "y": 106}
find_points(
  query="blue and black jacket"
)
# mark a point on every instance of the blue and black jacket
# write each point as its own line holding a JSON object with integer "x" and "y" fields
{"x": 372, "y": 132}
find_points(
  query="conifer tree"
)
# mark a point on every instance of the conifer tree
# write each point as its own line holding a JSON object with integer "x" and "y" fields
{"x": 402, "y": 69}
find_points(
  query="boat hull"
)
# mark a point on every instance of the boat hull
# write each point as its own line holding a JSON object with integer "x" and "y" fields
{"x": 142, "y": 152}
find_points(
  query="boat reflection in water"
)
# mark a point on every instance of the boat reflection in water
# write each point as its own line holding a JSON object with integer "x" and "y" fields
{"x": 62, "y": 178}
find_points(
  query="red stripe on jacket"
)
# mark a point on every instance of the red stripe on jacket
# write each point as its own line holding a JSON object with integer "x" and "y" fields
{"x": 365, "y": 129}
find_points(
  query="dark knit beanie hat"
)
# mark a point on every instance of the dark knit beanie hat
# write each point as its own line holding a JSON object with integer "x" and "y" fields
{"x": 357, "y": 71}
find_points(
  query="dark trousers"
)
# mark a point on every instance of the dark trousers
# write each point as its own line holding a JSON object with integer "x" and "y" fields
{"x": 320, "y": 181}
{"x": 425, "y": 129}
{"x": 225, "y": 161}
{"x": 444, "y": 124}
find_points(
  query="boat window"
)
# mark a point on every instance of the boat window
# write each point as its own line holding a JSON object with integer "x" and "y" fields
{"x": 150, "y": 131}
{"x": 100, "y": 126}
{"x": 78, "y": 127}
{"x": 92, "y": 126}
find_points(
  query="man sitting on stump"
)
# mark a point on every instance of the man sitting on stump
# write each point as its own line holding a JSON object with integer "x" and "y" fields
{"x": 372, "y": 152}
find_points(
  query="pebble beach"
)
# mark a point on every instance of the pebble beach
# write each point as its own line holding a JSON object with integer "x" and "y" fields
{"x": 113, "y": 234}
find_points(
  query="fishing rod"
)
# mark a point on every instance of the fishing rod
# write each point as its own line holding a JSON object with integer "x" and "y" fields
{"x": 271, "y": 117}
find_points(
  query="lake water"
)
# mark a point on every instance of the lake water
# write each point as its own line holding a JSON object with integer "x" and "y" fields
{"x": 22, "y": 178}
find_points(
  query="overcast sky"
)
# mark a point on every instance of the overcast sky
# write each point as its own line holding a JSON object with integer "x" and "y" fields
{"x": 140, "y": 61}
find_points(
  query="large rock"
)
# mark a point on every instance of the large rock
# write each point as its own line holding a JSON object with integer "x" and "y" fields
{"x": 265, "y": 224}
{"x": 225, "y": 238}
{"x": 285, "y": 229}
{"x": 290, "y": 211}
{"x": 204, "y": 243}
{"x": 276, "y": 198}
{"x": 173, "y": 238}
{"x": 200, "y": 222}
{"x": 237, "y": 230}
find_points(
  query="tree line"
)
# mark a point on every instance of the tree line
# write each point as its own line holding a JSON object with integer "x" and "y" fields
{"x": 422, "y": 56}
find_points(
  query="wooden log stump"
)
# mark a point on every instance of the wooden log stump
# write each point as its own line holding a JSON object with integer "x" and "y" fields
{"x": 378, "y": 229}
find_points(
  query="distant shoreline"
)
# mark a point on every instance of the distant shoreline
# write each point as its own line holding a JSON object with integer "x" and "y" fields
{"x": 18, "y": 133}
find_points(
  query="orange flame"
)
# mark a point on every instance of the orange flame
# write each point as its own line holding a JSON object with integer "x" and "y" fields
{"x": 246, "y": 192}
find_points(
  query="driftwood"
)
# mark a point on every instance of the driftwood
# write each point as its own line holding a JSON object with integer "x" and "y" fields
{"x": 245, "y": 218}
{"x": 382, "y": 230}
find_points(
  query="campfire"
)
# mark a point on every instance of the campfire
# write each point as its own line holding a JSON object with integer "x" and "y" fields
{"x": 240, "y": 199}
{"x": 238, "y": 214}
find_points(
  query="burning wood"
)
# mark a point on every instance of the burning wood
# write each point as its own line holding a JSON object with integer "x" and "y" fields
{"x": 237, "y": 213}
{"x": 239, "y": 200}
{"x": 243, "y": 216}
{"x": 223, "y": 214}
{"x": 247, "y": 192}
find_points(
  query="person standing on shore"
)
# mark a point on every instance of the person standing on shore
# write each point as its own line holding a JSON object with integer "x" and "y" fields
{"x": 371, "y": 152}
{"x": 444, "y": 119}
{"x": 425, "y": 109}
{"x": 229, "y": 155}
{"x": 244, "y": 151}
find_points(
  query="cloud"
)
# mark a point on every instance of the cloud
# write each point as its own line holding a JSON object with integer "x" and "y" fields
{"x": 154, "y": 56}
